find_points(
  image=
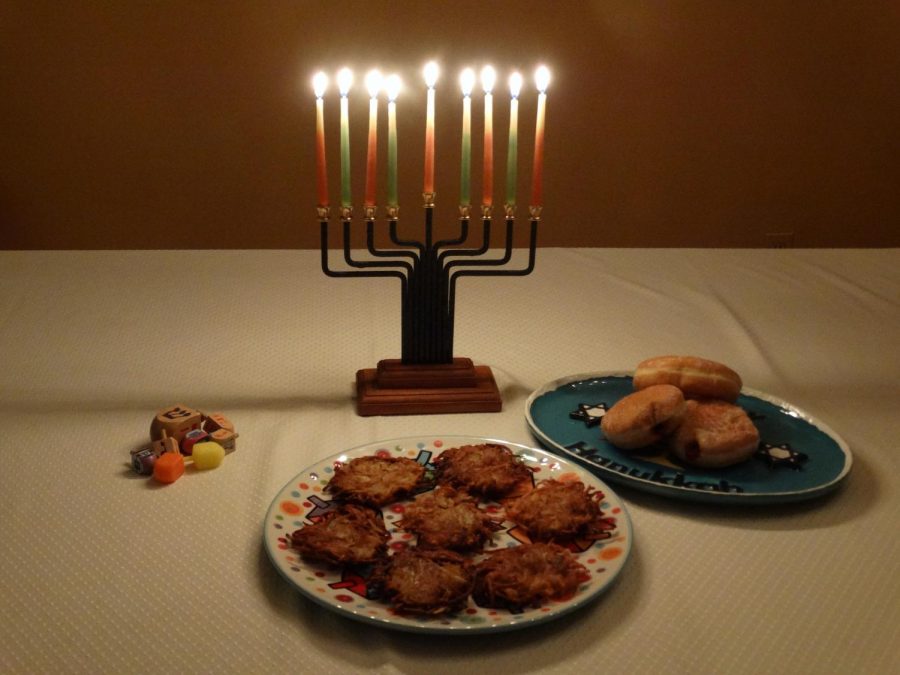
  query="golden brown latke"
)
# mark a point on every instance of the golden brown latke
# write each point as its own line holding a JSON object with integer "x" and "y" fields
{"x": 350, "y": 534}
{"x": 376, "y": 480}
{"x": 557, "y": 510}
{"x": 447, "y": 518}
{"x": 426, "y": 582}
{"x": 526, "y": 575}
{"x": 488, "y": 470}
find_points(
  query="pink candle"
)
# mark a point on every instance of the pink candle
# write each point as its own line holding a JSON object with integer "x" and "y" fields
{"x": 431, "y": 74}
{"x": 320, "y": 82}
{"x": 373, "y": 84}
{"x": 488, "y": 78}
{"x": 542, "y": 80}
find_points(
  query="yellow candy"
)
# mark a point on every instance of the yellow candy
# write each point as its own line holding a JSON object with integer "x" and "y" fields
{"x": 208, "y": 455}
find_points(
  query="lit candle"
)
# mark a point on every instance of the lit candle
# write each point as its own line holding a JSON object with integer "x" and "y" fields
{"x": 373, "y": 85}
{"x": 345, "y": 80}
{"x": 320, "y": 83}
{"x": 392, "y": 86}
{"x": 466, "y": 82}
{"x": 541, "y": 80}
{"x": 431, "y": 75}
{"x": 512, "y": 149}
{"x": 488, "y": 78}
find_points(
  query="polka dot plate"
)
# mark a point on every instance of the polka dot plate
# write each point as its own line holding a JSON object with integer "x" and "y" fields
{"x": 345, "y": 590}
{"x": 798, "y": 458}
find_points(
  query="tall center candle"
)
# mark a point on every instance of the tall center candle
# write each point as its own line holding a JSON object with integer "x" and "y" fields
{"x": 431, "y": 75}
{"x": 512, "y": 149}
{"x": 466, "y": 82}
{"x": 320, "y": 82}
{"x": 542, "y": 80}
{"x": 373, "y": 85}
{"x": 345, "y": 80}
{"x": 488, "y": 78}
{"x": 392, "y": 85}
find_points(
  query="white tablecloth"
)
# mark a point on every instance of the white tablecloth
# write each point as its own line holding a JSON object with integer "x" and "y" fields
{"x": 104, "y": 571}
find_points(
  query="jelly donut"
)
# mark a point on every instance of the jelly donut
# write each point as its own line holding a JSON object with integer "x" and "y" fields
{"x": 644, "y": 417}
{"x": 696, "y": 377}
{"x": 714, "y": 434}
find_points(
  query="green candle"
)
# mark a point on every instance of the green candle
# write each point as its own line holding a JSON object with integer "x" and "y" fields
{"x": 466, "y": 164}
{"x": 393, "y": 89}
{"x": 512, "y": 151}
{"x": 466, "y": 81}
{"x": 345, "y": 80}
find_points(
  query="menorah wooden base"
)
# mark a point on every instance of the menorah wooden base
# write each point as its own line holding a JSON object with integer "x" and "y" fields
{"x": 395, "y": 388}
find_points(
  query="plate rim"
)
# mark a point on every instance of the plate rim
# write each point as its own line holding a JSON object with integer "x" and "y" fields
{"x": 622, "y": 516}
{"x": 696, "y": 494}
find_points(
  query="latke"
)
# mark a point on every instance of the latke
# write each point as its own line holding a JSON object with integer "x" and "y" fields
{"x": 488, "y": 470}
{"x": 527, "y": 575}
{"x": 557, "y": 510}
{"x": 351, "y": 534}
{"x": 447, "y": 518}
{"x": 375, "y": 480}
{"x": 426, "y": 582}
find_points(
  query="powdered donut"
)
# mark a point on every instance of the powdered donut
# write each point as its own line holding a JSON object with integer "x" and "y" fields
{"x": 644, "y": 417}
{"x": 696, "y": 377}
{"x": 714, "y": 434}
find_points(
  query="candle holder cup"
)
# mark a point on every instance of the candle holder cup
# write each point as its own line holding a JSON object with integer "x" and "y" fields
{"x": 427, "y": 379}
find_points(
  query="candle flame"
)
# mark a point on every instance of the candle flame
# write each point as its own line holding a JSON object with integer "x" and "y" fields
{"x": 431, "y": 74}
{"x": 542, "y": 78}
{"x": 393, "y": 85}
{"x": 374, "y": 81}
{"x": 320, "y": 84}
{"x": 467, "y": 81}
{"x": 345, "y": 80}
{"x": 488, "y": 79}
{"x": 515, "y": 84}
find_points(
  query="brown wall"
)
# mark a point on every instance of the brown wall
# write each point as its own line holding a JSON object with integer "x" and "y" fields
{"x": 187, "y": 124}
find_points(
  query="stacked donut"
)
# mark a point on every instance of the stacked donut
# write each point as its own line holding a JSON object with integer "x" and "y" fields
{"x": 688, "y": 404}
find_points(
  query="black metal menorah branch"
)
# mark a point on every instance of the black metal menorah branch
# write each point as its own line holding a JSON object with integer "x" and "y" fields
{"x": 427, "y": 378}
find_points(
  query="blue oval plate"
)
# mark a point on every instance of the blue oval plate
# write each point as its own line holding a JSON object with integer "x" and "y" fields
{"x": 798, "y": 458}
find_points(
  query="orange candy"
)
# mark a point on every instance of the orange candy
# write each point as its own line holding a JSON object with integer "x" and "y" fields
{"x": 168, "y": 467}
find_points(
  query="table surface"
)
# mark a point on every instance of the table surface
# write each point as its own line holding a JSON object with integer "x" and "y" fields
{"x": 105, "y": 571}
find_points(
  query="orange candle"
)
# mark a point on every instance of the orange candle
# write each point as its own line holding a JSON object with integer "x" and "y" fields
{"x": 320, "y": 82}
{"x": 488, "y": 78}
{"x": 431, "y": 75}
{"x": 373, "y": 84}
{"x": 542, "y": 80}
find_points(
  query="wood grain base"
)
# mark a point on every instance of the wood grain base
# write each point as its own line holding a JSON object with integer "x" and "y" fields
{"x": 395, "y": 388}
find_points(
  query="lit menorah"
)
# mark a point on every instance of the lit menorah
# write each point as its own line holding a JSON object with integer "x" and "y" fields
{"x": 427, "y": 378}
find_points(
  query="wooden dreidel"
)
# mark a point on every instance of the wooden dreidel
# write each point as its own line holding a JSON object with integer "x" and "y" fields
{"x": 208, "y": 455}
{"x": 165, "y": 444}
{"x": 216, "y": 421}
{"x": 176, "y": 421}
{"x": 225, "y": 438}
